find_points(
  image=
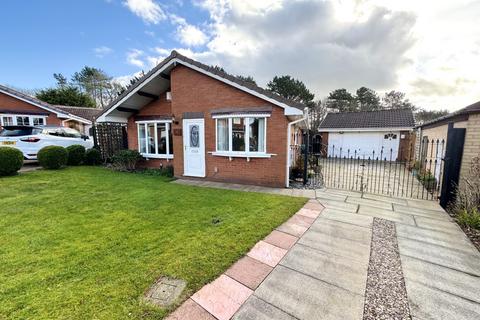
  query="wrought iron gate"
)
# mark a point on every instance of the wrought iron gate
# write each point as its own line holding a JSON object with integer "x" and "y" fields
{"x": 415, "y": 172}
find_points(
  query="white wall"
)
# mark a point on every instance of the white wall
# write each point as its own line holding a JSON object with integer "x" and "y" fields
{"x": 366, "y": 144}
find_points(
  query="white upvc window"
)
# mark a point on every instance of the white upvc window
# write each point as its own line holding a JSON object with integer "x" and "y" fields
{"x": 22, "y": 120}
{"x": 241, "y": 135}
{"x": 155, "y": 139}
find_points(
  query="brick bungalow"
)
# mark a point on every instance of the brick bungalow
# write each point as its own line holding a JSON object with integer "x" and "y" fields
{"x": 208, "y": 124}
{"x": 17, "y": 108}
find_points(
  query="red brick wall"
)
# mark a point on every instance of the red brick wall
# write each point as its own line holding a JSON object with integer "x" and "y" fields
{"x": 11, "y": 103}
{"x": 160, "y": 107}
{"x": 195, "y": 92}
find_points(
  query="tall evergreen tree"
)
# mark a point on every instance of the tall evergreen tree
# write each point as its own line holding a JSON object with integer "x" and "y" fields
{"x": 367, "y": 99}
{"x": 292, "y": 89}
{"x": 342, "y": 100}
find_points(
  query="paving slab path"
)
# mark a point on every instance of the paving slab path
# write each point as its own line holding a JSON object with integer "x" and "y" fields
{"x": 351, "y": 256}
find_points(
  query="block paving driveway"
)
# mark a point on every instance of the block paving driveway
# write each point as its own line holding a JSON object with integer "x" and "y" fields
{"x": 333, "y": 258}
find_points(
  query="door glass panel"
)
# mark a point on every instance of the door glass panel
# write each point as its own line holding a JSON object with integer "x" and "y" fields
{"x": 238, "y": 134}
{"x": 161, "y": 138}
{"x": 194, "y": 136}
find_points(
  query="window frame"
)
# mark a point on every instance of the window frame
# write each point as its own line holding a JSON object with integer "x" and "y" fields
{"x": 15, "y": 122}
{"x": 168, "y": 129}
{"x": 246, "y": 153}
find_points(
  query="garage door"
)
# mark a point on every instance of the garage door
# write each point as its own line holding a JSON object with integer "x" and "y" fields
{"x": 364, "y": 144}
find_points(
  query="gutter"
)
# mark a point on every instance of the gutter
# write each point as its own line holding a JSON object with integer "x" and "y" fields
{"x": 289, "y": 137}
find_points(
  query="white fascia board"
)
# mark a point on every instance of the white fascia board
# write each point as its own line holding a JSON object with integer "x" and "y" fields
{"x": 76, "y": 118}
{"x": 59, "y": 114}
{"x": 112, "y": 119}
{"x": 289, "y": 111}
{"x": 241, "y": 115}
{"x": 365, "y": 129}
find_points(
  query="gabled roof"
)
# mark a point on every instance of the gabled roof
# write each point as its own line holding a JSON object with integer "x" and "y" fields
{"x": 473, "y": 108}
{"x": 83, "y": 112}
{"x": 29, "y": 99}
{"x": 41, "y": 104}
{"x": 176, "y": 57}
{"x": 395, "y": 118}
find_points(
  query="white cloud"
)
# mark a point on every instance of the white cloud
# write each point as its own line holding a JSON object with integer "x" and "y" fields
{"x": 148, "y": 10}
{"x": 188, "y": 34}
{"x": 134, "y": 58}
{"x": 102, "y": 51}
{"x": 428, "y": 49}
{"x": 150, "y": 33}
{"x": 125, "y": 80}
{"x": 191, "y": 35}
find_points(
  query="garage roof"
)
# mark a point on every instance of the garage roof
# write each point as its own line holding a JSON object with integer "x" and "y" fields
{"x": 395, "y": 118}
{"x": 458, "y": 115}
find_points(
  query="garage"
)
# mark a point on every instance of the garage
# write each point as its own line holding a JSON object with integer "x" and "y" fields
{"x": 384, "y": 134}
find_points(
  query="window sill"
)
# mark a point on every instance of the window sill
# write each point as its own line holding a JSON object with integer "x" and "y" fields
{"x": 241, "y": 155}
{"x": 157, "y": 156}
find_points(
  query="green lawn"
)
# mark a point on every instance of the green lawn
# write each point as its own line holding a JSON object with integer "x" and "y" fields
{"x": 86, "y": 243}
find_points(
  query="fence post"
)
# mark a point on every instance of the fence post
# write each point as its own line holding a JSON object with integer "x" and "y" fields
{"x": 94, "y": 134}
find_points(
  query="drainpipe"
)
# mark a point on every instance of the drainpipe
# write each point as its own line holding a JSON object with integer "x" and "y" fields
{"x": 289, "y": 134}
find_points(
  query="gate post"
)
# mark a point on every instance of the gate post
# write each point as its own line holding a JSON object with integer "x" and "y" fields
{"x": 305, "y": 159}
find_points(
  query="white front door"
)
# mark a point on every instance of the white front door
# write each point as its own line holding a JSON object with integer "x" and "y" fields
{"x": 194, "y": 148}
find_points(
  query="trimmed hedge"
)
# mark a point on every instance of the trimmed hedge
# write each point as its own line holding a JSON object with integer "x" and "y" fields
{"x": 93, "y": 157}
{"x": 52, "y": 157}
{"x": 11, "y": 160}
{"x": 76, "y": 155}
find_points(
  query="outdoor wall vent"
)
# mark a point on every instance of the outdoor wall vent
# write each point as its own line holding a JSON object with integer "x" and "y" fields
{"x": 169, "y": 96}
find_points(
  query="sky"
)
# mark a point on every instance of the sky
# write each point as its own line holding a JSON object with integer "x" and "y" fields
{"x": 428, "y": 49}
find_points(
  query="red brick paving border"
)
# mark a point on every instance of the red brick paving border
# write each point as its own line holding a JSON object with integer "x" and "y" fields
{"x": 222, "y": 298}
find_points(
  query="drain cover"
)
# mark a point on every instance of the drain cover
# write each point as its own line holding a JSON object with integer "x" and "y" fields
{"x": 165, "y": 291}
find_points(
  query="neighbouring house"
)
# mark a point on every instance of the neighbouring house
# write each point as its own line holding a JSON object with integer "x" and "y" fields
{"x": 208, "y": 124}
{"x": 86, "y": 113}
{"x": 17, "y": 108}
{"x": 386, "y": 134}
{"x": 460, "y": 133}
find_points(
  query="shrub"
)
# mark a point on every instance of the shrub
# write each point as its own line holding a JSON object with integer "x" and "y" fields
{"x": 468, "y": 191}
{"x": 52, "y": 157}
{"x": 428, "y": 180}
{"x": 11, "y": 160}
{"x": 469, "y": 218}
{"x": 166, "y": 171}
{"x": 126, "y": 160}
{"x": 93, "y": 157}
{"x": 76, "y": 154}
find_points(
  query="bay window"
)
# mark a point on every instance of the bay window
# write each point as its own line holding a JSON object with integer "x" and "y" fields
{"x": 155, "y": 139}
{"x": 241, "y": 135}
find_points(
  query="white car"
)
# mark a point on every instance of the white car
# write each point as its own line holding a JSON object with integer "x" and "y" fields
{"x": 30, "y": 140}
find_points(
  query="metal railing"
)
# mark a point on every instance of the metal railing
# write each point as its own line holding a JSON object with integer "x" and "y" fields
{"x": 411, "y": 172}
